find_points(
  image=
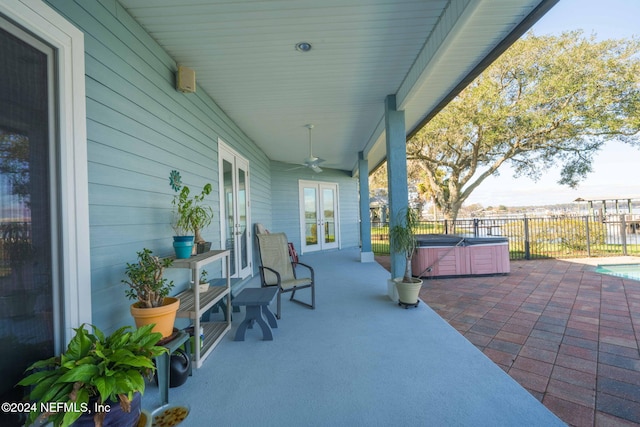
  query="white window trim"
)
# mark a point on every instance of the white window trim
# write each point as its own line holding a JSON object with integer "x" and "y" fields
{"x": 68, "y": 41}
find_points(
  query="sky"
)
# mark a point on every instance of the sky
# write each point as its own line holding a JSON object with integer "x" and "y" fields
{"x": 615, "y": 173}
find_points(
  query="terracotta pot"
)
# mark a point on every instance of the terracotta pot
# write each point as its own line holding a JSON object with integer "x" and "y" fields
{"x": 163, "y": 317}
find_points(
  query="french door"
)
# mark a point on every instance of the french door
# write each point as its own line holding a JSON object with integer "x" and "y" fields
{"x": 319, "y": 223}
{"x": 234, "y": 208}
{"x": 30, "y": 316}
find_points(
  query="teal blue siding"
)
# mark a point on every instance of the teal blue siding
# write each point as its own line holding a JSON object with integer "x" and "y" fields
{"x": 139, "y": 128}
{"x": 285, "y": 180}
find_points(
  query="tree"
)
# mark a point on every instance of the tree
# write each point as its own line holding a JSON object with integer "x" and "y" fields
{"x": 14, "y": 163}
{"x": 378, "y": 180}
{"x": 547, "y": 102}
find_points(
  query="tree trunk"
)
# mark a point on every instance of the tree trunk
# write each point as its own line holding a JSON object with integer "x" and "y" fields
{"x": 198, "y": 237}
{"x": 407, "y": 271}
{"x": 450, "y": 214}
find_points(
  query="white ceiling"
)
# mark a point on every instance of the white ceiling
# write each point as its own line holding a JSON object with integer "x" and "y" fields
{"x": 243, "y": 52}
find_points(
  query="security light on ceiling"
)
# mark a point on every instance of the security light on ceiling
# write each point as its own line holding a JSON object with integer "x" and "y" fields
{"x": 303, "y": 47}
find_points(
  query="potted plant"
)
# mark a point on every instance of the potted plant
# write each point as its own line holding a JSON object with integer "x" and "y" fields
{"x": 98, "y": 381}
{"x": 148, "y": 286}
{"x": 403, "y": 240}
{"x": 183, "y": 238}
{"x": 203, "y": 281}
{"x": 201, "y": 217}
{"x": 192, "y": 215}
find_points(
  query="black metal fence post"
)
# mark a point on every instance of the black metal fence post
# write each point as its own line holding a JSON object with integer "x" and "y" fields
{"x": 623, "y": 234}
{"x": 586, "y": 227}
{"x": 527, "y": 250}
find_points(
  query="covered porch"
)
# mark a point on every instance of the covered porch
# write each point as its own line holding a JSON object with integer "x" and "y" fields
{"x": 357, "y": 359}
{"x": 370, "y": 74}
{"x": 120, "y": 124}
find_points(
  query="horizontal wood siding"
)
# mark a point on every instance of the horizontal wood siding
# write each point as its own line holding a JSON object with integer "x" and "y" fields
{"x": 286, "y": 202}
{"x": 139, "y": 128}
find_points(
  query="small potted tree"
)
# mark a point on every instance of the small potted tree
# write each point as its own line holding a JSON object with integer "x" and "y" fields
{"x": 203, "y": 281}
{"x": 148, "y": 286}
{"x": 200, "y": 218}
{"x": 98, "y": 381}
{"x": 181, "y": 224}
{"x": 403, "y": 240}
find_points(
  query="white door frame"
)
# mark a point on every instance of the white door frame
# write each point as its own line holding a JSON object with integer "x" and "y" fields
{"x": 238, "y": 161}
{"x": 73, "y": 200}
{"x": 321, "y": 223}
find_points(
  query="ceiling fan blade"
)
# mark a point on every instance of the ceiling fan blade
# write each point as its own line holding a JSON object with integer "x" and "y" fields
{"x": 315, "y": 168}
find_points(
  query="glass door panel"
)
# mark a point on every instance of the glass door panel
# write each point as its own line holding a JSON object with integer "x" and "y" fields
{"x": 229, "y": 202}
{"x": 28, "y": 314}
{"x": 242, "y": 215}
{"x": 328, "y": 211}
{"x": 311, "y": 216}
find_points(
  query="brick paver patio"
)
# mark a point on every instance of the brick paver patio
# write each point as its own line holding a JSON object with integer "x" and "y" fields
{"x": 567, "y": 334}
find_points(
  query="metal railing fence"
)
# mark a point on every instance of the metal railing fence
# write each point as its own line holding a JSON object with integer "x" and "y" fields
{"x": 542, "y": 237}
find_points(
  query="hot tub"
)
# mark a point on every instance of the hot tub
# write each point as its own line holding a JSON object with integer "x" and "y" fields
{"x": 452, "y": 255}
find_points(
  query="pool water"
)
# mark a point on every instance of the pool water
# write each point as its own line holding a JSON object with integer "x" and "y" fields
{"x": 628, "y": 271}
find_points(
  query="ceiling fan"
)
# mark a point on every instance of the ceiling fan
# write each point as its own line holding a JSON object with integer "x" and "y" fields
{"x": 312, "y": 162}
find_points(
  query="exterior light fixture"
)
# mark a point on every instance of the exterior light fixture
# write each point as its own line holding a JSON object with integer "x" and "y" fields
{"x": 303, "y": 47}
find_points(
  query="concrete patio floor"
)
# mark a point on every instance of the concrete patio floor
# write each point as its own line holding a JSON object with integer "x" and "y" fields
{"x": 358, "y": 359}
{"x": 567, "y": 334}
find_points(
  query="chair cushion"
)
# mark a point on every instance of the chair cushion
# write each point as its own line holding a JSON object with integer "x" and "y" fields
{"x": 274, "y": 254}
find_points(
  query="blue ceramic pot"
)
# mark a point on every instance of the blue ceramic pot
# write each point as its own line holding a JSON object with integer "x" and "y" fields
{"x": 183, "y": 238}
{"x": 183, "y": 246}
{"x": 116, "y": 416}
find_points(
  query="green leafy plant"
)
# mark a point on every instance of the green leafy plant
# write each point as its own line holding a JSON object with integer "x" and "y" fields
{"x": 204, "y": 277}
{"x": 403, "y": 238}
{"x": 108, "y": 369}
{"x": 191, "y": 214}
{"x": 145, "y": 279}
